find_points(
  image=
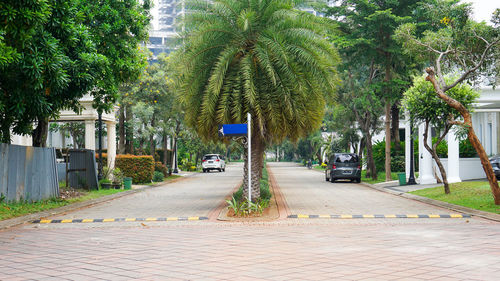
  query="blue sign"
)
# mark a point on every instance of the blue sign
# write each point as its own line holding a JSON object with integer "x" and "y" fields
{"x": 229, "y": 130}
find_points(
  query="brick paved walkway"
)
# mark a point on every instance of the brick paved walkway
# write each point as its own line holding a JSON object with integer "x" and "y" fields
{"x": 215, "y": 251}
{"x": 289, "y": 249}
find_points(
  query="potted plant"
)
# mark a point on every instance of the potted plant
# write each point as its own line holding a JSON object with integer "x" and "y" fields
{"x": 117, "y": 180}
{"x": 111, "y": 178}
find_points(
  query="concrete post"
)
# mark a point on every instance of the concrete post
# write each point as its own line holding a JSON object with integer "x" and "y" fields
{"x": 425, "y": 161}
{"x": 90, "y": 134}
{"x": 453, "y": 158}
{"x": 407, "y": 145}
{"x": 111, "y": 128}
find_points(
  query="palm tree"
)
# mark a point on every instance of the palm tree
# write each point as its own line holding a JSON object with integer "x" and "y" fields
{"x": 263, "y": 57}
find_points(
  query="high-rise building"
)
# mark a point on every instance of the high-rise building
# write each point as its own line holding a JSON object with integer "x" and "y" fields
{"x": 166, "y": 16}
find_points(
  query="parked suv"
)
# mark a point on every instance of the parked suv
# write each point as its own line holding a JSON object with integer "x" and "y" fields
{"x": 343, "y": 166}
{"x": 213, "y": 162}
{"x": 495, "y": 164}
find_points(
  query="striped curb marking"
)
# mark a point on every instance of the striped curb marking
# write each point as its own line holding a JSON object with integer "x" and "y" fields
{"x": 430, "y": 216}
{"x": 122, "y": 220}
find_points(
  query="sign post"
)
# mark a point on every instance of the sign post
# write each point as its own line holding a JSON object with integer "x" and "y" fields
{"x": 249, "y": 141}
{"x": 231, "y": 130}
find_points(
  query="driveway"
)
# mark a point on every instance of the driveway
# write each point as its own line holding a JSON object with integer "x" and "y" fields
{"x": 307, "y": 192}
{"x": 195, "y": 196}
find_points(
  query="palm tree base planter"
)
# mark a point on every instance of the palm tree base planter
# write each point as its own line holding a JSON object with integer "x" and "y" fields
{"x": 269, "y": 214}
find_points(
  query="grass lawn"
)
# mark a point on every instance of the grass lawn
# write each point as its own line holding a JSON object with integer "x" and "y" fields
{"x": 11, "y": 210}
{"x": 165, "y": 180}
{"x": 472, "y": 194}
{"x": 380, "y": 177}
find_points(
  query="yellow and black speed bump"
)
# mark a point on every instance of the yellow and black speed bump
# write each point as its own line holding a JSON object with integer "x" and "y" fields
{"x": 430, "y": 216}
{"x": 122, "y": 220}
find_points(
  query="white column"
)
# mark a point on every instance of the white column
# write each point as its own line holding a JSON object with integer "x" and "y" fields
{"x": 90, "y": 134}
{"x": 484, "y": 140}
{"x": 494, "y": 133}
{"x": 111, "y": 129}
{"x": 425, "y": 162}
{"x": 407, "y": 145}
{"x": 453, "y": 171}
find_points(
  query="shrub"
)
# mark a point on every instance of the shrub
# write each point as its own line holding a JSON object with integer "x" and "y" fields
{"x": 159, "y": 167}
{"x": 139, "y": 168}
{"x": 158, "y": 176}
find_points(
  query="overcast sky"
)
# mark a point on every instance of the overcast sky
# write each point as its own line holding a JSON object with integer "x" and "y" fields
{"x": 483, "y": 9}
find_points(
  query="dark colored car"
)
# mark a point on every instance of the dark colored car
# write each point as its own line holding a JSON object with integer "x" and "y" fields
{"x": 495, "y": 163}
{"x": 343, "y": 166}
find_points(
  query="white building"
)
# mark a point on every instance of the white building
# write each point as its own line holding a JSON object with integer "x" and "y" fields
{"x": 166, "y": 16}
{"x": 486, "y": 124}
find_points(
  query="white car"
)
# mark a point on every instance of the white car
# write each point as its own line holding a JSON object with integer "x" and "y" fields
{"x": 213, "y": 162}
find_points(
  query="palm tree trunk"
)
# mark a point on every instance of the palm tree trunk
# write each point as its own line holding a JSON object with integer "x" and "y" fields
{"x": 257, "y": 154}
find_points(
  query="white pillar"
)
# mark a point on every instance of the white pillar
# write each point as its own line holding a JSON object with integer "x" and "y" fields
{"x": 425, "y": 162}
{"x": 494, "y": 133}
{"x": 407, "y": 145}
{"x": 90, "y": 134}
{"x": 484, "y": 140}
{"x": 453, "y": 171}
{"x": 111, "y": 129}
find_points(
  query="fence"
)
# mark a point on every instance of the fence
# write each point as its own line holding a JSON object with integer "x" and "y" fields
{"x": 27, "y": 173}
{"x": 82, "y": 169}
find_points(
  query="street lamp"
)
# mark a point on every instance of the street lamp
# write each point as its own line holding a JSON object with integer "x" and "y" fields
{"x": 99, "y": 176}
{"x": 411, "y": 179}
{"x": 175, "y": 158}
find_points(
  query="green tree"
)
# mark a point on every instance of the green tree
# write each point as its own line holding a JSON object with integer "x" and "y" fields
{"x": 263, "y": 57}
{"x": 367, "y": 28}
{"x": 424, "y": 106}
{"x": 56, "y": 67}
{"x": 459, "y": 46}
{"x": 117, "y": 28}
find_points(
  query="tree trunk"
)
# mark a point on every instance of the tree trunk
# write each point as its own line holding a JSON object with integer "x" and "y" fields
{"x": 433, "y": 152}
{"x": 371, "y": 170}
{"x": 387, "y": 140}
{"x": 395, "y": 126}
{"x": 495, "y": 190}
{"x": 165, "y": 150}
{"x": 129, "y": 130}
{"x": 152, "y": 144}
{"x": 361, "y": 147}
{"x": 5, "y": 134}
{"x": 121, "y": 130}
{"x": 40, "y": 133}
{"x": 174, "y": 145}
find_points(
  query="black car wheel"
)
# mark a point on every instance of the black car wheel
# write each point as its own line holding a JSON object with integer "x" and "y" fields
{"x": 332, "y": 180}
{"x": 358, "y": 180}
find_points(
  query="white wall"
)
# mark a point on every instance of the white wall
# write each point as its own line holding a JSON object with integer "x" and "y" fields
{"x": 470, "y": 168}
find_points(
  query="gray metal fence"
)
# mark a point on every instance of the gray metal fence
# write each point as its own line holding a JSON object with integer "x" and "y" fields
{"x": 83, "y": 169}
{"x": 27, "y": 173}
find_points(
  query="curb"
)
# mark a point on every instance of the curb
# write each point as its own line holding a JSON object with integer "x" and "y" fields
{"x": 462, "y": 209}
{"x": 75, "y": 206}
{"x": 122, "y": 220}
{"x": 377, "y": 216}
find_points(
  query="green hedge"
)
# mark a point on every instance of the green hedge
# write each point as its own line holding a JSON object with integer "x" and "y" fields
{"x": 139, "y": 168}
